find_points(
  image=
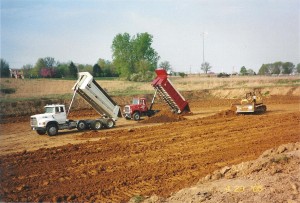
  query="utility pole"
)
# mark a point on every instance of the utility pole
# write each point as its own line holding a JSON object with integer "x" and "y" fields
{"x": 203, "y": 36}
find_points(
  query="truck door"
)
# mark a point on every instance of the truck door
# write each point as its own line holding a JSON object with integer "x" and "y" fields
{"x": 60, "y": 115}
{"x": 143, "y": 105}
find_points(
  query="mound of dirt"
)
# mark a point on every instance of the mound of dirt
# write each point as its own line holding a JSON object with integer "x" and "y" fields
{"x": 164, "y": 117}
{"x": 225, "y": 113}
{"x": 273, "y": 177}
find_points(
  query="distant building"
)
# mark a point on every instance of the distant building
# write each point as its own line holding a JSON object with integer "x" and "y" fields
{"x": 16, "y": 73}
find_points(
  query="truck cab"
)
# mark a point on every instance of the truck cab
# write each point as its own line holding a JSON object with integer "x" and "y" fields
{"x": 54, "y": 115}
{"x": 137, "y": 109}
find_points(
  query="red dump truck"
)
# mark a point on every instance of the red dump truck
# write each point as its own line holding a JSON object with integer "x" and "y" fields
{"x": 165, "y": 89}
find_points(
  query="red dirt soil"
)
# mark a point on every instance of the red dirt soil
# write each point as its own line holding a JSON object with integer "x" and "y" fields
{"x": 144, "y": 159}
{"x": 164, "y": 116}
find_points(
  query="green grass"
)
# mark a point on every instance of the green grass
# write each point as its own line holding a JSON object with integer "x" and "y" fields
{"x": 54, "y": 97}
{"x": 7, "y": 90}
{"x": 131, "y": 92}
{"x": 127, "y": 92}
{"x": 266, "y": 93}
{"x": 138, "y": 198}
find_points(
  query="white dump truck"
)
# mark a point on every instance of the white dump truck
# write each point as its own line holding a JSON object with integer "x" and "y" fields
{"x": 55, "y": 116}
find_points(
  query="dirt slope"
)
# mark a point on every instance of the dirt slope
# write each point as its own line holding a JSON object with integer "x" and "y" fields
{"x": 152, "y": 159}
{"x": 273, "y": 177}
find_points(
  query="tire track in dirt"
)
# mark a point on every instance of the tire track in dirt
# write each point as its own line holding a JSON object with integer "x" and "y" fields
{"x": 157, "y": 159}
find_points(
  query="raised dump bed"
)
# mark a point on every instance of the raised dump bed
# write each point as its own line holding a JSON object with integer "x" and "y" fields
{"x": 168, "y": 93}
{"x": 91, "y": 92}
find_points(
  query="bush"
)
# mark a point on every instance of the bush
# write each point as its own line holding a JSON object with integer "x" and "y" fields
{"x": 182, "y": 74}
{"x": 8, "y": 90}
{"x": 223, "y": 75}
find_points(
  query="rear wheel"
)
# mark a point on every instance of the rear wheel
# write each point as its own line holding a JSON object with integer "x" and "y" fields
{"x": 136, "y": 116}
{"x": 41, "y": 132}
{"x": 96, "y": 125}
{"x": 52, "y": 129}
{"x": 81, "y": 125}
{"x": 110, "y": 123}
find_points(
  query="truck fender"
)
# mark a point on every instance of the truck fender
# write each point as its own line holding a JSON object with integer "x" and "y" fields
{"x": 50, "y": 123}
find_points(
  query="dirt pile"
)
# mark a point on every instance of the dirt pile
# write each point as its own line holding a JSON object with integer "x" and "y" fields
{"x": 273, "y": 177}
{"x": 224, "y": 113}
{"x": 164, "y": 116}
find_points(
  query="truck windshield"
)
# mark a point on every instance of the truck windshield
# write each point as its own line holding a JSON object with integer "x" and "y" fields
{"x": 49, "y": 110}
{"x": 135, "y": 101}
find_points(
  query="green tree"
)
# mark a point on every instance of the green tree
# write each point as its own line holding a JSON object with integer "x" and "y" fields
{"x": 276, "y": 67}
{"x": 73, "y": 70}
{"x": 287, "y": 68}
{"x": 264, "y": 69}
{"x": 205, "y": 67}
{"x": 298, "y": 68}
{"x": 251, "y": 72}
{"x": 182, "y": 74}
{"x": 143, "y": 66}
{"x": 49, "y": 62}
{"x": 165, "y": 65}
{"x": 27, "y": 70}
{"x": 97, "y": 70}
{"x": 37, "y": 67}
{"x": 142, "y": 50}
{"x": 62, "y": 70}
{"x": 108, "y": 68}
{"x": 4, "y": 72}
{"x": 122, "y": 54}
{"x": 128, "y": 52}
{"x": 243, "y": 71}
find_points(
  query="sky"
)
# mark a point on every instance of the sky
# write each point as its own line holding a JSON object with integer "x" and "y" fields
{"x": 237, "y": 32}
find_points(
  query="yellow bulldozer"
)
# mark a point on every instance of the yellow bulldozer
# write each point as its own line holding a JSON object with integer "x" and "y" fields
{"x": 252, "y": 103}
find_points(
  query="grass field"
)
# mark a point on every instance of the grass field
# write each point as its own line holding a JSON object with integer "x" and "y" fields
{"x": 60, "y": 88}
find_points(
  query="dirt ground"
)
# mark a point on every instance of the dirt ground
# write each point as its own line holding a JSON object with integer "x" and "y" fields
{"x": 273, "y": 177}
{"x": 139, "y": 158}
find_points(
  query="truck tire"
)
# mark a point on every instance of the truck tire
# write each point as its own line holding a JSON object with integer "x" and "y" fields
{"x": 110, "y": 123}
{"x": 52, "y": 129}
{"x": 41, "y": 132}
{"x": 96, "y": 125}
{"x": 264, "y": 108}
{"x": 81, "y": 125}
{"x": 136, "y": 116}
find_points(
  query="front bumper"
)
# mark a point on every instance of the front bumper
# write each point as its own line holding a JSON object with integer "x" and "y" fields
{"x": 127, "y": 115}
{"x": 37, "y": 128}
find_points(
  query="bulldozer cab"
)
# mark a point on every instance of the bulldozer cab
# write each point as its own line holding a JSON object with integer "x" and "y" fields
{"x": 253, "y": 97}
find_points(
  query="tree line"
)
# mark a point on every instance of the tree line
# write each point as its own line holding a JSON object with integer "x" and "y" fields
{"x": 48, "y": 67}
{"x": 133, "y": 58}
{"x": 279, "y": 67}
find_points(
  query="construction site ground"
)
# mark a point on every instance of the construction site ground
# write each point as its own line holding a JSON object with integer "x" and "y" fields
{"x": 160, "y": 155}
